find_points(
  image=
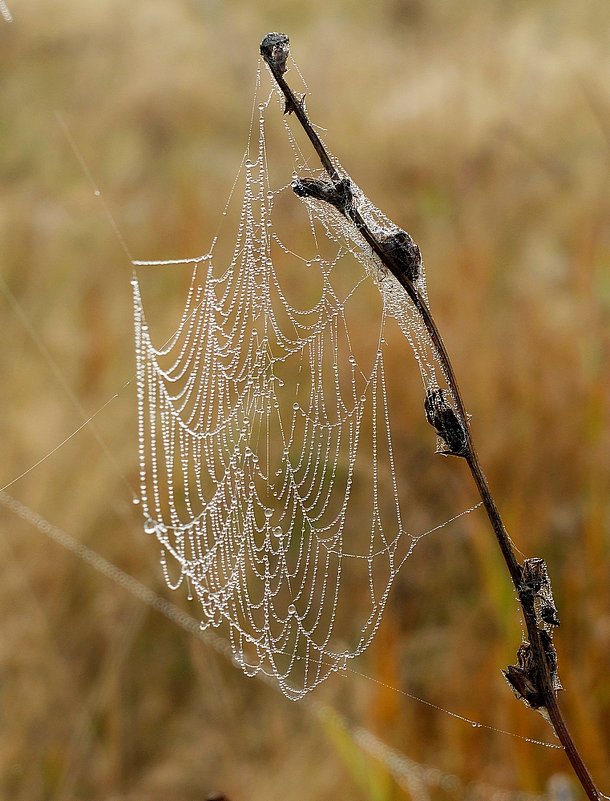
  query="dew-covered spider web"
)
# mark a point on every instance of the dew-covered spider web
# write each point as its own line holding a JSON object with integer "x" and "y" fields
{"x": 267, "y": 466}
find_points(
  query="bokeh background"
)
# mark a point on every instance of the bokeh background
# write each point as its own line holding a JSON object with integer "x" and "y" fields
{"x": 481, "y": 127}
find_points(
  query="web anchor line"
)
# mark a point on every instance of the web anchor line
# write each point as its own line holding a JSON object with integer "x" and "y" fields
{"x": 534, "y": 679}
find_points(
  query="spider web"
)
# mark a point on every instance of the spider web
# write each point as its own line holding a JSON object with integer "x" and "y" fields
{"x": 267, "y": 467}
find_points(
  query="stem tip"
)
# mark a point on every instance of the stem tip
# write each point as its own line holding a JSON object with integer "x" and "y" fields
{"x": 275, "y": 48}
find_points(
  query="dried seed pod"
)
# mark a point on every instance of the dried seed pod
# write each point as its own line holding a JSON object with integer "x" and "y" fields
{"x": 536, "y": 591}
{"x": 448, "y": 425}
{"x": 404, "y": 254}
{"x": 275, "y": 49}
{"x": 523, "y": 677}
{"x": 337, "y": 194}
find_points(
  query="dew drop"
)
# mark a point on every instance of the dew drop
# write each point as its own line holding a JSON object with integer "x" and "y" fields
{"x": 150, "y": 526}
{"x": 97, "y": 193}
{"x": 136, "y": 501}
{"x": 276, "y": 531}
{"x": 292, "y": 610}
{"x": 296, "y": 407}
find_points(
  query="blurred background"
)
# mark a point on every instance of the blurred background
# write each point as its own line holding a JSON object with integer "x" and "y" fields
{"x": 482, "y": 128}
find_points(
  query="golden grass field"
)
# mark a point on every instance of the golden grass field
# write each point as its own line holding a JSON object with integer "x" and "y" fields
{"x": 483, "y": 128}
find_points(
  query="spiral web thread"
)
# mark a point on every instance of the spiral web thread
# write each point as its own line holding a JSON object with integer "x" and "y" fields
{"x": 267, "y": 469}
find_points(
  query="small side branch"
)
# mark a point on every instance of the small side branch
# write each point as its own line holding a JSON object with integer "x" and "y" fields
{"x": 534, "y": 678}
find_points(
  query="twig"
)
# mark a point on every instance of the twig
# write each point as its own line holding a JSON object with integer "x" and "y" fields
{"x": 534, "y": 679}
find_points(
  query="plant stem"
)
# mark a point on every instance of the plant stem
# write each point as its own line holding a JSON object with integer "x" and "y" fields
{"x": 275, "y": 49}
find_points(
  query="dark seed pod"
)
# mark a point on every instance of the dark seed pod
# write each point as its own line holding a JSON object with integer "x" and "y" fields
{"x": 338, "y": 195}
{"x": 536, "y": 591}
{"x": 404, "y": 254}
{"x": 275, "y": 48}
{"x": 522, "y": 678}
{"x": 448, "y": 425}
